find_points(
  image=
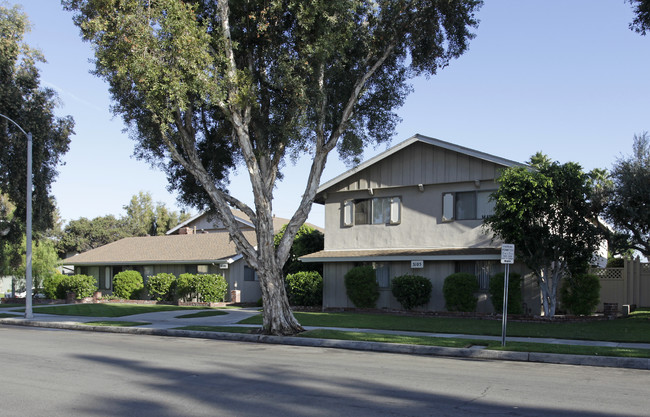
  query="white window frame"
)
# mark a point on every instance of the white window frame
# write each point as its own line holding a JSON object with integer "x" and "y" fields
{"x": 450, "y": 209}
{"x": 392, "y": 216}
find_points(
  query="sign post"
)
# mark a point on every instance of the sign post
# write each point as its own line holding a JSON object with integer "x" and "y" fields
{"x": 507, "y": 258}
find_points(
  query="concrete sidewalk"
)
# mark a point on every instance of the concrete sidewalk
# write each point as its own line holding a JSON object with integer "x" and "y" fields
{"x": 165, "y": 323}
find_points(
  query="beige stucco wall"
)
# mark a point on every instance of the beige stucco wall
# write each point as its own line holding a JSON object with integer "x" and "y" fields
{"x": 421, "y": 221}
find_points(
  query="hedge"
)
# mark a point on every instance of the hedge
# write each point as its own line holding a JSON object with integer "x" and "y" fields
{"x": 361, "y": 286}
{"x": 515, "y": 300}
{"x": 411, "y": 290}
{"x": 458, "y": 290}
{"x": 128, "y": 285}
{"x": 305, "y": 288}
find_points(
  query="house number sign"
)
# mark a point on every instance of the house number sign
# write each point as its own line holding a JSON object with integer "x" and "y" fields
{"x": 417, "y": 264}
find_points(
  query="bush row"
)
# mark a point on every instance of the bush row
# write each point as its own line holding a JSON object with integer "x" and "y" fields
{"x": 579, "y": 294}
{"x": 129, "y": 285}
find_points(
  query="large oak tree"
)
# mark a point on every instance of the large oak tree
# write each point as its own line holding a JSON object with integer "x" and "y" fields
{"x": 206, "y": 84}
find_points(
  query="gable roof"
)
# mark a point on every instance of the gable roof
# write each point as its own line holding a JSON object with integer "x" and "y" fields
{"x": 168, "y": 249}
{"x": 242, "y": 218}
{"x": 414, "y": 139}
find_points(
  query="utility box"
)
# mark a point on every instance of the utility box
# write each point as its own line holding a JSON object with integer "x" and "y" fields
{"x": 235, "y": 296}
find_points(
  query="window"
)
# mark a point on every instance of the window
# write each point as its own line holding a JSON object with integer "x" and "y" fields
{"x": 482, "y": 269}
{"x": 249, "y": 274}
{"x": 202, "y": 269}
{"x": 467, "y": 205}
{"x": 382, "y": 273}
{"x": 379, "y": 210}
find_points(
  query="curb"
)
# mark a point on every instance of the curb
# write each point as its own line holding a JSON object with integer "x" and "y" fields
{"x": 551, "y": 358}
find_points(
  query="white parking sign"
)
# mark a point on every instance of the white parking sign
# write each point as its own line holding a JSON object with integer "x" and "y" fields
{"x": 507, "y": 253}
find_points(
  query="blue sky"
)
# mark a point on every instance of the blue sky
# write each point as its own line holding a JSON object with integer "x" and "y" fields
{"x": 564, "y": 77}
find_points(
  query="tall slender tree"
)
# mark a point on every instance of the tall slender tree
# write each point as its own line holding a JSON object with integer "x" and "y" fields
{"x": 207, "y": 84}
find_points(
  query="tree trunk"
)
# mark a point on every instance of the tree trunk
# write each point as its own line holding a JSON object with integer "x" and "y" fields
{"x": 278, "y": 317}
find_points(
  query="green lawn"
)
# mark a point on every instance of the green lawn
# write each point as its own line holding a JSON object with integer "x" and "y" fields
{"x": 6, "y": 315}
{"x": 108, "y": 309}
{"x": 224, "y": 329}
{"x": 11, "y": 305}
{"x": 635, "y": 328}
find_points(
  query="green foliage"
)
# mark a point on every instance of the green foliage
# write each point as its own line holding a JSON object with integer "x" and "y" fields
{"x": 305, "y": 288}
{"x": 580, "y": 294}
{"x": 615, "y": 263}
{"x": 411, "y": 290}
{"x": 641, "y": 22}
{"x": 515, "y": 300}
{"x": 162, "y": 287}
{"x": 82, "y": 285}
{"x": 458, "y": 290}
{"x": 128, "y": 285}
{"x": 44, "y": 262}
{"x": 627, "y": 208}
{"x": 208, "y": 288}
{"x": 549, "y": 214}
{"x": 308, "y": 240}
{"x": 83, "y": 235}
{"x": 361, "y": 286}
{"x": 33, "y": 108}
{"x": 51, "y": 286}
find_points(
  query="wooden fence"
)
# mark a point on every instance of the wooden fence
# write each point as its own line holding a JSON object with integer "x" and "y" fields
{"x": 627, "y": 285}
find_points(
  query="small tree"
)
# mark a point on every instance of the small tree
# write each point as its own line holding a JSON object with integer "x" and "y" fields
{"x": 548, "y": 214}
{"x": 515, "y": 303}
{"x": 411, "y": 290}
{"x": 627, "y": 207}
{"x": 361, "y": 286}
{"x": 51, "y": 286}
{"x": 459, "y": 290}
{"x": 161, "y": 287}
{"x": 127, "y": 285}
{"x": 308, "y": 240}
{"x": 305, "y": 288}
{"x": 580, "y": 294}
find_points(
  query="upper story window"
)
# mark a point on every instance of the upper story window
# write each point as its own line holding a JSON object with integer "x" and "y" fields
{"x": 379, "y": 210}
{"x": 467, "y": 205}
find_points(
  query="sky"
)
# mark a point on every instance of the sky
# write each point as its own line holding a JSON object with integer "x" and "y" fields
{"x": 568, "y": 78}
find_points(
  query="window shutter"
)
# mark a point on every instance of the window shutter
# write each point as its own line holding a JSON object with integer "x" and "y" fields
{"x": 395, "y": 210}
{"x": 347, "y": 212}
{"x": 447, "y": 207}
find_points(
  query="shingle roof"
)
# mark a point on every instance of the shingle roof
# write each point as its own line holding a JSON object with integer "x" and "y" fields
{"x": 402, "y": 254}
{"x": 168, "y": 249}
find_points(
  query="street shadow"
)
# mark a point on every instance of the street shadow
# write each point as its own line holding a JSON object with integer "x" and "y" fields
{"x": 240, "y": 389}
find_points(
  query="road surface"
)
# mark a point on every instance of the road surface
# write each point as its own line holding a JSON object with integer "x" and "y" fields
{"x": 66, "y": 373}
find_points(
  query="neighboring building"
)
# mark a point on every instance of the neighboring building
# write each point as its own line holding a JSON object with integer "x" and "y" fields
{"x": 199, "y": 245}
{"x": 416, "y": 208}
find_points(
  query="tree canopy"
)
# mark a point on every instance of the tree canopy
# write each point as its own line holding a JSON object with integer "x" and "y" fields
{"x": 205, "y": 85}
{"x": 31, "y": 106}
{"x": 628, "y": 206}
{"x": 641, "y": 22}
{"x": 548, "y": 214}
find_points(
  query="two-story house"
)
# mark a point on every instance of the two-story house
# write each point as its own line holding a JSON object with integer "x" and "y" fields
{"x": 416, "y": 208}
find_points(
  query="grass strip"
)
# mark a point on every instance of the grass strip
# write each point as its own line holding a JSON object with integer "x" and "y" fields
{"x": 109, "y": 309}
{"x": 202, "y": 314}
{"x": 635, "y": 328}
{"x": 7, "y": 315}
{"x": 116, "y": 323}
{"x": 11, "y": 305}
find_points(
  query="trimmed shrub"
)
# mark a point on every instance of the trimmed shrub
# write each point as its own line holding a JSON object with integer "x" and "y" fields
{"x": 615, "y": 262}
{"x": 305, "y": 288}
{"x": 580, "y": 294}
{"x": 459, "y": 290}
{"x": 82, "y": 285}
{"x": 411, "y": 290}
{"x": 51, "y": 286}
{"x": 515, "y": 300}
{"x": 162, "y": 287}
{"x": 361, "y": 286}
{"x": 128, "y": 285}
{"x": 209, "y": 288}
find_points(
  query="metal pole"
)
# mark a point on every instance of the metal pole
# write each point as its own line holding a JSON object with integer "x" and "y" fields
{"x": 28, "y": 249}
{"x": 504, "y": 321}
{"x": 28, "y": 255}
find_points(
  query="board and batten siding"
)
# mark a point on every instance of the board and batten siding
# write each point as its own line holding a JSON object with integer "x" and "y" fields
{"x": 420, "y": 164}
